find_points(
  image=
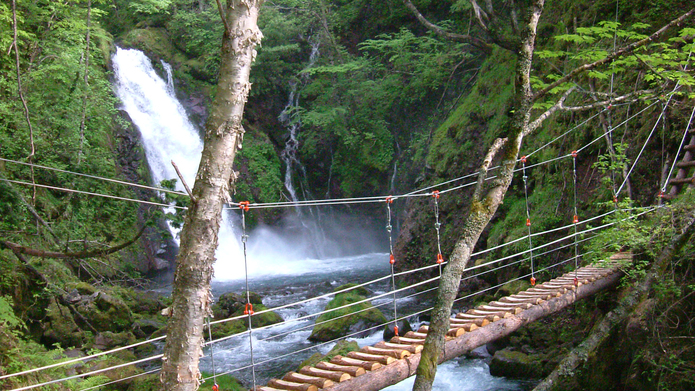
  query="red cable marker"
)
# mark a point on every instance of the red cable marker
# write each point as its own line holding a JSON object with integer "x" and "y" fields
{"x": 523, "y": 159}
{"x": 215, "y": 388}
{"x": 440, "y": 259}
{"x": 244, "y": 205}
{"x": 249, "y": 309}
{"x": 575, "y": 220}
{"x": 392, "y": 259}
{"x": 395, "y": 330}
{"x": 435, "y": 194}
{"x": 576, "y": 281}
{"x": 528, "y": 222}
{"x": 533, "y": 281}
{"x": 389, "y": 200}
{"x": 574, "y": 153}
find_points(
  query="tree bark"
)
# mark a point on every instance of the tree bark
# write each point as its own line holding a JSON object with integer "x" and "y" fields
{"x": 581, "y": 353}
{"x": 482, "y": 209}
{"x": 223, "y": 136}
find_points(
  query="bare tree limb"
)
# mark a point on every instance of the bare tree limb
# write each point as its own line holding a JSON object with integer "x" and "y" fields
{"x": 482, "y": 173}
{"x": 469, "y": 39}
{"x": 80, "y": 254}
{"x": 624, "y": 51}
{"x": 557, "y": 106}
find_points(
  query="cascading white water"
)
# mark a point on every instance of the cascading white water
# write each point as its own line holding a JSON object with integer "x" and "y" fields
{"x": 290, "y": 118}
{"x": 166, "y": 132}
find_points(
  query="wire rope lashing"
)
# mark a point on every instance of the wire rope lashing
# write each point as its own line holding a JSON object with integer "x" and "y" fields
{"x": 248, "y": 310}
{"x": 392, "y": 261}
{"x": 528, "y": 220}
{"x": 575, "y": 218}
{"x": 437, "y": 226}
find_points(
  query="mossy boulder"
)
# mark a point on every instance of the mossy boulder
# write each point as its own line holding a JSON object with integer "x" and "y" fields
{"x": 513, "y": 287}
{"x": 340, "y": 322}
{"x": 230, "y": 305}
{"x": 515, "y": 364}
{"x": 107, "y": 312}
{"x": 61, "y": 327}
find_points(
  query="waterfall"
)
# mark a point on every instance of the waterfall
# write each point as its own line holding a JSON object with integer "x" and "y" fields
{"x": 291, "y": 120}
{"x": 163, "y": 124}
{"x": 167, "y": 134}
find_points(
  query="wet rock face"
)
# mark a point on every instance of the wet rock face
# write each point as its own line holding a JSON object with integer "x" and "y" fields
{"x": 353, "y": 319}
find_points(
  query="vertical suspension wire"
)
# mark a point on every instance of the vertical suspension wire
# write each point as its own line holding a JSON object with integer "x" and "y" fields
{"x": 392, "y": 261}
{"x": 437, "y": 226}
{"x": 528, "y": 220}
{"x": 215, "y": 387}
{"x": 244, "y": 206}
{"x": 575, "y": 218}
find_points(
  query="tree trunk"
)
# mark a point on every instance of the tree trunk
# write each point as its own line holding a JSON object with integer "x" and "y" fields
{"x": 482, "y": 209}
{"x": 223, "y": 136}
{"x": 579, "y": 355}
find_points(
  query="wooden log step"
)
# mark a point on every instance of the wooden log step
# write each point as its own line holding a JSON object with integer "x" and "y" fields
{"x": 478, "y": 320}
{"x": 492, "y": 316}
{"x": 319, "y": 382}
{"x": 514, "y": 299}
{"x": 413, "y": 334}
{"x": 452, "y": 332}
{"x": 558, "y": 286}
{"x": 582, "y": 280}
{"x": 266, "y": 388}
{"x": 395, "y": 353}
{"x": 389, "y": 345}
{"x": 332, "y": 375}
{"x": 383, "y": 360}
{"x": 409, "y": 341}
{"x": 683, "y": 181}
{"x": 349, "y": 369}
{"x": 463, "y": 324}
{"x": 501, "y": 307}
{"x": 350, "y": 361}
{"x": 291, "y": 386}
{"x": 551, "y": 292}
{"x": 543, "y": 296}
{"x": 686, "y": 164}
{"x": 519, "y": 306}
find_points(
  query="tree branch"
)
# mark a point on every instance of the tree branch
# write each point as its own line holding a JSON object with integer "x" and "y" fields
{"x": 482, "y": 173}
{"x": 626, "y": 50}
{"x": 469, "y": 39}
{"x": 223, "y": 16}
{"x": 18, "y": 248}
{"x": 557, "y": 106}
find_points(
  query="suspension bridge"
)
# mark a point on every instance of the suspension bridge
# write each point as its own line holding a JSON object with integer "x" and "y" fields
{"x": 388, "y": 362}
